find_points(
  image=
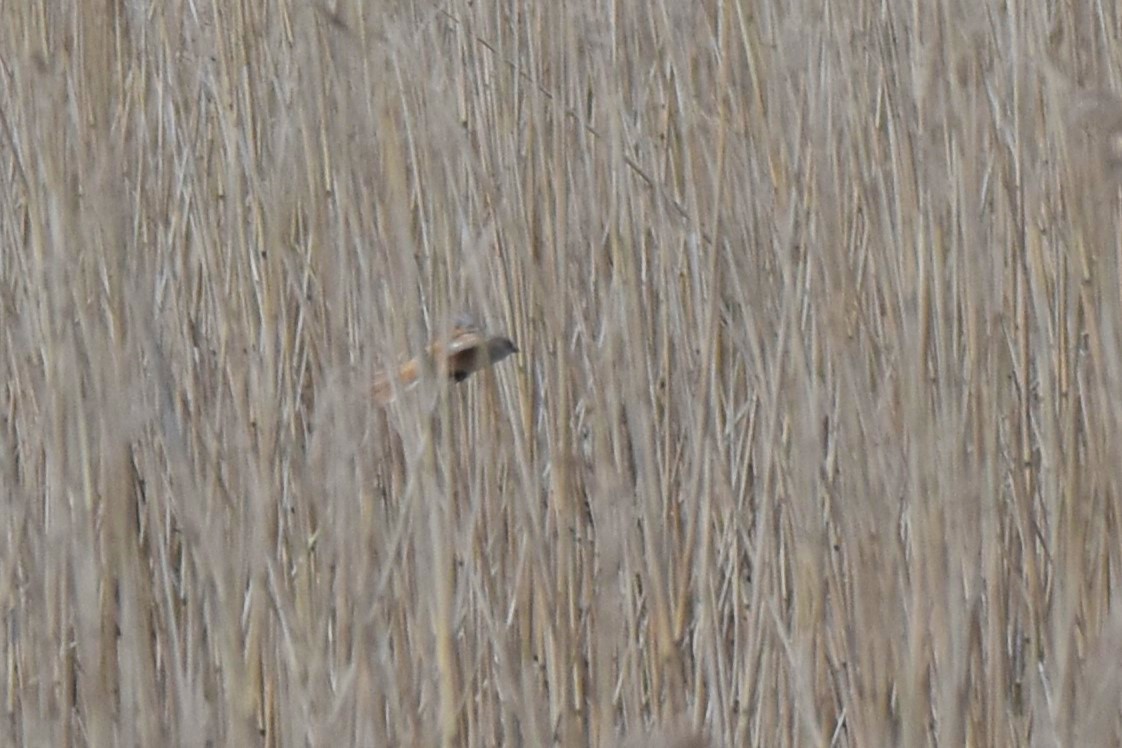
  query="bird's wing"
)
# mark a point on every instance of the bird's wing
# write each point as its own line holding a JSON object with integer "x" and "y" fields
{"x": 461, "y": 339}
{"x": 455, "y": 356}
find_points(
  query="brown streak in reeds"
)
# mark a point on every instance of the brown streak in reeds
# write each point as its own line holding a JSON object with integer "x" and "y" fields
{"x": 466, "y": 351}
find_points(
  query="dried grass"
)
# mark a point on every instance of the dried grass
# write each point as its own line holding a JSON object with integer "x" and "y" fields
{"x": 813, "y": 439}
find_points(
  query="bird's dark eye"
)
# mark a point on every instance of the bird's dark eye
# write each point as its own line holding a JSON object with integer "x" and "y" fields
{"x": 459, "y": 376}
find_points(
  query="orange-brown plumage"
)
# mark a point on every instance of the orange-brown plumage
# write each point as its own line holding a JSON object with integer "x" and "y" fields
{"x": 466, "y": 351}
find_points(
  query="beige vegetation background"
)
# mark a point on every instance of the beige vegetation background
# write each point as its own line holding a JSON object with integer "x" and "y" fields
{"x": 814, "y": 435}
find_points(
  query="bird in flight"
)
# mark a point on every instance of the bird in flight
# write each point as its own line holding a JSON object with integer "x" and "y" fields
{"x": 467, "y": 350}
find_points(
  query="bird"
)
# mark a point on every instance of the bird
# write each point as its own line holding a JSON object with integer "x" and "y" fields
{"x": 465, "y": 351}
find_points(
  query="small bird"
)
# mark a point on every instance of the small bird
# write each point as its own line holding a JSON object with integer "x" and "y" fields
{"x": 467, "y": 350}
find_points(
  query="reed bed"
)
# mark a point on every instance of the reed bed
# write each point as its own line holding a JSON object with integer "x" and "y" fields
{"x": 812, "y": 439}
